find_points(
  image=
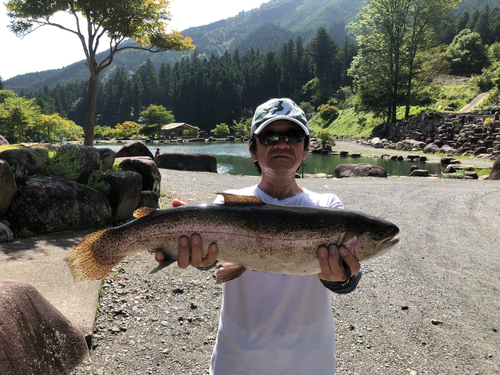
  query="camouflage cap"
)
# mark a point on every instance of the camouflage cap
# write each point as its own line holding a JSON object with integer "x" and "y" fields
{"x": 277, "y": 109}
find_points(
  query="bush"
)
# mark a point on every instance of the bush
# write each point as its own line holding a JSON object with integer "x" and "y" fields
{"x": 328, "y": 112}
{"x": 67, "y": 162}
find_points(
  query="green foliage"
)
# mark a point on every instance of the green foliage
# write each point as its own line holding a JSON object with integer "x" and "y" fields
{"x": 466, "y": 54}
{"x": 195, "y": 133}
{"x": 156, "y": 116}
{"x": 127, "y": 129}
{"x": 18, "y": 116}
{"x": 67, "y": 163}
{"x": 144, "y": 21}
{"x": 328, "y": 112}
{"x": 396, "y": 39}
{"x": 241, "y": 129}
{"x": 221, "y": 130}
{"x": 25, "y": 233}
{"x": 326, "y": 138}
{"x": 95, "y": 181}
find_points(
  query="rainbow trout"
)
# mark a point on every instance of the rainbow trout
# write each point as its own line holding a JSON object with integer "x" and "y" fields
{"x": 249, "y": 233}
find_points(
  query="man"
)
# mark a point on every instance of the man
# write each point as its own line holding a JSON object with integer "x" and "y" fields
{"x": 272, "y": 323}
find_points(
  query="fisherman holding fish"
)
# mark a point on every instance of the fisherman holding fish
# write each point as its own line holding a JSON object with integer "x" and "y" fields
{"x": 272, "y": 323}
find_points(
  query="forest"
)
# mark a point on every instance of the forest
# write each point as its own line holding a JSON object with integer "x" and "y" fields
{"x": 208, "y": 91}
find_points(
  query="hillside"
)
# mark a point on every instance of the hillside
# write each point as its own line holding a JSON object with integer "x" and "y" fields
{"x": 265, "y": 28}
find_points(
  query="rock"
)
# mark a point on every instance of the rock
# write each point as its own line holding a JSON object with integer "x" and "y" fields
{"x": 450, "y": 169}
{"x": 35, "y": 338}
{"x": 3, "y": 141}
{"x": 419, "y": 173}
{"x": 29, "y": 160}
{"x": 8, "y": 187}
{"x": 107, "y": 157}
{"x": 446, "y": 161}
{"x": 359, "y": 170}
{"x": 49, "y": 204}
{"x": 6, "y": 234}
{"x": 377, "y": 143}
{"x": 431, "y": 148}
{"x": 448, "y": 150}
{"x": 495, "y": 170}
{"x": 188, "y": 162}
{"x": 146, "y": 167}
{"x": 125, "y": 193}
{"x": 135, "y": 148}
{"x": 149, "y": 199}
{"x": 90, "y": 159}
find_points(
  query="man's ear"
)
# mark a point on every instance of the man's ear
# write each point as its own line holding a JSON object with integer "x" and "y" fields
{"x": 254, "y": 156}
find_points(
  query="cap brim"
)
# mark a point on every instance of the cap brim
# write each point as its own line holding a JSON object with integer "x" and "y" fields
{"x": 268, "y": 122}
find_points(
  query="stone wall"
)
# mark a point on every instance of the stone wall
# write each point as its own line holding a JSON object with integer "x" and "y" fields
{"x": 470, "y": 134}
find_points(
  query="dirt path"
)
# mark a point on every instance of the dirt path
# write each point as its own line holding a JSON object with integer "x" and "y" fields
{"x": 476, "y": 101}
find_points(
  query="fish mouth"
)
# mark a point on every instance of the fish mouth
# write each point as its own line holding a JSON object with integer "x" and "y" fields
{"x": 390, "y": 243}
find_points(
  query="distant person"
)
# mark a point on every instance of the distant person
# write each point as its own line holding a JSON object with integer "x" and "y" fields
{"x": 64, "y": 141}
{"x": 80, "y": 143}
{"x": 272, "y": 323}
{"x": 157, "y": 153}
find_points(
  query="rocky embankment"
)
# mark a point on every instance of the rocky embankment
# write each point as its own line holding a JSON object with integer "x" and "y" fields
{"x": 473, "y": 134}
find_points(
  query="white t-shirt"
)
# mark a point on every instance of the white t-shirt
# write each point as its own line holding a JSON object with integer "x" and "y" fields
{"x": 272, "y": 323}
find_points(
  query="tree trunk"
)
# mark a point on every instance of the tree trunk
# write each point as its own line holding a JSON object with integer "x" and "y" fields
{"x": 91, "y": 106}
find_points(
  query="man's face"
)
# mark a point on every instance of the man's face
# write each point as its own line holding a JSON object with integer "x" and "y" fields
{"x": 281, "y": 158}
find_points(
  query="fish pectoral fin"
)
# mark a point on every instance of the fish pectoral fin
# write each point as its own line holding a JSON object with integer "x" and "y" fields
{"x": 167, "y": 261}
{"x": 229, "y": 273}
{"x": 240, "y": 200}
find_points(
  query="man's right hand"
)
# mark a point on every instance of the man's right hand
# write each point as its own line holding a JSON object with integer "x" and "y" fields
{"x": 190, "y": 251}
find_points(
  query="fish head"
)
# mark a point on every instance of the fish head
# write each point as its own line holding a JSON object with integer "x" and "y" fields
{"x": 373, "y": 237}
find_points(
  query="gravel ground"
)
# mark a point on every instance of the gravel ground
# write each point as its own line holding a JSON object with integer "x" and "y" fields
{"x": 430, "y": 306}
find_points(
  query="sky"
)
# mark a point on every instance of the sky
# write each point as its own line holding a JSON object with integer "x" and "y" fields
{"x": 51, "y": 48}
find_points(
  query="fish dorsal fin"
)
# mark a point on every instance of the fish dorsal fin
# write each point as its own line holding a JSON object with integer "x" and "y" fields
{"x": 143, "y": 212}
{"x": 240, "y": 200}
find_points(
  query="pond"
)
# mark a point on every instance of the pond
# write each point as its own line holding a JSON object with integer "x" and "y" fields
{"x": 233, "y": 158}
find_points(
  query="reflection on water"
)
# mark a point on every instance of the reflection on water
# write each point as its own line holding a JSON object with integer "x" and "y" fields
{"x": 234, "y": 158}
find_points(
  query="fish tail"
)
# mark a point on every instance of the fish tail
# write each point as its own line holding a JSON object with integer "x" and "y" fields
{"x": 89, "y": 261}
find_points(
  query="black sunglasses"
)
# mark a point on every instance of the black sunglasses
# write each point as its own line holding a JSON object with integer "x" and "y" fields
{"x": 270, "y": 138}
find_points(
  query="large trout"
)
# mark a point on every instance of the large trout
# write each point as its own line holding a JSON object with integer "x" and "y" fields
{"x": 249, "y": 233}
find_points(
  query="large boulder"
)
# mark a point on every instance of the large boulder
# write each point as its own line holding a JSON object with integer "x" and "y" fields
{"x": 431, "y": 148}
{"x": 125, "y": 193}
{"x": 188, "y": 162}
{"x": 135, "y": 148}
{"x": 88, "y": 156}
{"x": 3, "y": 141}
{"x": 6, "y": 234}
{"x": 107, "y": 157}
{"x": 149, "y": 199}
{"x": 448, "y": 150}
{"x": 359, "y": 170}
{"x": 377, "y": 143}
{"x": 146, "y": 167}
{"x": 49, "y": 204}
{"x": 495, "y": 170}
{"x": 8, "y": 187}
{"x": 35, "y": 338}
{"x": 30, "y": 161}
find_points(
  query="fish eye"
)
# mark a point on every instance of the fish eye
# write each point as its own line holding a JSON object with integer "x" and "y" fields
{"x": 379, "y": 235}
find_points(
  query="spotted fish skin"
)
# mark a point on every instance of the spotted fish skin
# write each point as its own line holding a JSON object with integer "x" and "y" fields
{"x": 248, "y": 232}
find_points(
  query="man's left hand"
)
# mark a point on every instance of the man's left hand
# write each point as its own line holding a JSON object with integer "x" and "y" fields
{"x": 330, "y": 260}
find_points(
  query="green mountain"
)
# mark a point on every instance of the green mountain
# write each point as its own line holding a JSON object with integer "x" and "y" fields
{"x": 265, "y": 28}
